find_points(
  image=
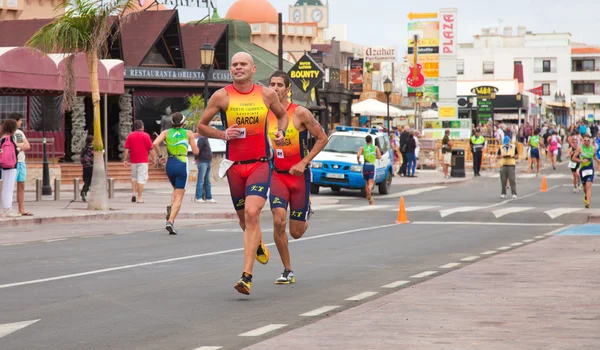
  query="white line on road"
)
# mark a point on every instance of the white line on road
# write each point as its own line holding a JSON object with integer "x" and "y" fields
{"x": 504, "y": 248}
{"x": 451, "y": 211}
{"x": 475, "y": 223}
{"x": 54, "y": 240}
{"x": 556, "y": 176}
{"x": 421, "y": 208}
{"x": 554, "y": 213}
{"x": 424, "y": 274}
{"x": 501, "y": 212}
{"x": 319, "y": 311}
{"x": 412, "y": 192}
{"x": 329, "y": 207}
{"x": 449, "y": 265}
{"x": 395, "y": 284}
{"x": 11, "y": 244}
{"x": 470, "y": 258}
{"x": 8, "y": 328}
{"x": 183, "y": 258}
{"x": 528, "y": 240}
{"x": 209, "y": 348}
{"x": 262, "y": 330}
{"x": 489, "y": 252}
{"x": 367, "y": 207}
{"x": 516, "y": 244}
{"x": 362, "y": 296}
{"x": 526, "y": 176}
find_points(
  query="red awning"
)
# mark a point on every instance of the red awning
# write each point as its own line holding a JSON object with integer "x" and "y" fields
{"x": 22, "y": 69}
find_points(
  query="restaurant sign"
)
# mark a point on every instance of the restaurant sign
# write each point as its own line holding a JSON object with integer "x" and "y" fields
{"x": 146, "y": 73}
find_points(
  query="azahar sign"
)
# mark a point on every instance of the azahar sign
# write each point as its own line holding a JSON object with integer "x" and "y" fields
{"x": 306, "y": 73}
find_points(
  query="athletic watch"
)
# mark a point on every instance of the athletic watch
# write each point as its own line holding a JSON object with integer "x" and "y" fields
{"x": 282, "y": 131}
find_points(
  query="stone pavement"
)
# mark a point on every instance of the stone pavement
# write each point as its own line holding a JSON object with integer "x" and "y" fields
{"x": 541, "y": 296}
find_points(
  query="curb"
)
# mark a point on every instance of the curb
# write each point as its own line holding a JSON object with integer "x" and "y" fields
{"x": 112, "y": 216}
{"x": 593, "y": 219}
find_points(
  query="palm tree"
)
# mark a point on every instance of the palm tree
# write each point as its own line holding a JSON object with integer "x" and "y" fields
{"x": 85, "y": 27}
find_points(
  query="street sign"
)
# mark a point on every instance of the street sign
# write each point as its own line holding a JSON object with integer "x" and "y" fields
{"x": 306, "y": 73}
{"x": 424, "y": 15}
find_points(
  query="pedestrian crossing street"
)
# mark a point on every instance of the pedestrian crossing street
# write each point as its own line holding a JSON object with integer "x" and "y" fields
{"x": 445, "y": 212}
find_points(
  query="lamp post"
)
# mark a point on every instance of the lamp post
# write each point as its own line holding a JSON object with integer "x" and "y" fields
{"x": 518, "y": 96}
{"x": 584, "y": 106}
{"x": 539, "y": 101}
{"x": 207, "y": 57}
{"x": 574, "y": 105}
{"x": 387, "y": 89}
{"x": 46, "y": 188}
{"x": 492, "y": 98}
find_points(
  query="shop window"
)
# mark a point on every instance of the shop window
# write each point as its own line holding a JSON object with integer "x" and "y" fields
{"x": 13, "y": 104}
{"x": 546, "y": 89}
{"x": 45, "y": 110}
{"x": 488, "y": 67}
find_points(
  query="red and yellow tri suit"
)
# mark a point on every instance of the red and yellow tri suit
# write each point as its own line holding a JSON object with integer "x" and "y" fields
{"x": 287, "y": 188}
{"x": 251, "y": 174}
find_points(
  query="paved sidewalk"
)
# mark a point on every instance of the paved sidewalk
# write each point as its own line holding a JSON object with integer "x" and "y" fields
{"x": 540, "y": 296}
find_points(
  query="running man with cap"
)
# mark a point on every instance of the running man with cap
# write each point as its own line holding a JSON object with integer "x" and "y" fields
{"x": 178, "y": 139}
{"x": 585, "y": 155}
{"x": 244, "y": 110}
{"x": 290, "y": 183}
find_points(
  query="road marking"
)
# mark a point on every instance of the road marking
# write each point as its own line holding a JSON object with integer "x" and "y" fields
{"x": 319, "y": 311}
{"x": 209, "y": 348}
{"x": 554, "y": 213}
{"x": 539, "y": 237}
{"x": 451, "y": 211}
{"x": 395, "y": 284}
{"x": 90, "y": 236}
{"x": 489, "y": 252}
{"x": 556, "y": 176}
{"x": 362, "y": 296}
{"x": 262, "y": 330}
{"x": 528, "y": 240}
{"x": 494, "y": 176}
{"x": 329, "y": 207}
{"x": 558, "y": 230}
{"x": 501, "y": 212}
{"x": 11, "y": 244}
{"x": 413, "y": 192}
{"x": 366, "y": 207}
{"x": 128, "y": 233}
{"x": 449, "y": 265}
{"x": 8, "y": 328}
{"x": 470, "y": 258}
{"x": 475, "y": 223}
{"x": 424, "y": 274}
{"x": 54, "y": 240}
{"x": 504, "y": 248}
{"x": 420, "y": 208}
{"x": 516, "y": 244}
{"x": 527, "y": 176}
{"x": 182, "y": 258}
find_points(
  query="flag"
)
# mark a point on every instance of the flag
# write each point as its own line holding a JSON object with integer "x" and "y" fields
{"x": 537, "y": 90}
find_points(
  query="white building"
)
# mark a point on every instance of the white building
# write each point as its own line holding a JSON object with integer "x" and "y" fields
{"x": 550, "y": 60}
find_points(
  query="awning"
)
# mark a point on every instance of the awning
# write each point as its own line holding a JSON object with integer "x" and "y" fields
{"x": 26, "y": 70}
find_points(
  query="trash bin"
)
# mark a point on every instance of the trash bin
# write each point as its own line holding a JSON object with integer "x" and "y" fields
{"x": 458, "y": 163}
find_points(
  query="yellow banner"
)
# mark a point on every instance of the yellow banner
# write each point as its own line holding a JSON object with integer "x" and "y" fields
{"x": 447, "y": 112}
{"x": 424, "y": 42}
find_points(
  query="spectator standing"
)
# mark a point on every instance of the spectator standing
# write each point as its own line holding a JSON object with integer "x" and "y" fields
{"x": 447, "y": 152}
{"x": 23, "y": 144}
{"x": 138, "y": 143}
{"x": 87, "y": 162}
{"x": 418, "y": 149}
{"x": 8, "y": 163}
{"x": 403, "y": 137}
{"x": 411, "y": 146}
{"x": 203, "y": 161}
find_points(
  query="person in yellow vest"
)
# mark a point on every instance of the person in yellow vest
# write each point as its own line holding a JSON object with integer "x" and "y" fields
{"x": 478, "y": 144}
{"x": 508, "y": 158}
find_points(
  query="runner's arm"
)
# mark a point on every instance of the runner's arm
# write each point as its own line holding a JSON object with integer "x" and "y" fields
{"x": 192, "y": 142}
{"x": 272, "y": 101}
{"x": 360, "y": 152}
{"x": 212, "y": 108}
{"x": 576, "y": 158}
{"x": 315, "y": 129}
{"x": 162, "y": 137}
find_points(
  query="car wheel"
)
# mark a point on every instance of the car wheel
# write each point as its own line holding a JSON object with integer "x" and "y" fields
{"x": 386, "y": 185}
{"x": 336, "y": 188}
{"x": 314, "y": 189}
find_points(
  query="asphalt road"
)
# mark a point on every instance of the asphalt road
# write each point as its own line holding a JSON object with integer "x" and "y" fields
{"x": 148, "y": 290}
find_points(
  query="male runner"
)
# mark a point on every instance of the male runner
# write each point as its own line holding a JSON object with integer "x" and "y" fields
{"x": 244, "y": 108}
{"x": 370, "y": 153}
{"x": 290, "y": 182}
{"x": 585, "y": 155}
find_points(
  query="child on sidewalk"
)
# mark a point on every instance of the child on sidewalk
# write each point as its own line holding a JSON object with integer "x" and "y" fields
{"x": 87, "y": 161}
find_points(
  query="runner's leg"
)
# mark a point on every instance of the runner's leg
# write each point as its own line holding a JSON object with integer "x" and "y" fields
{"x": 299, "y": 205}
{"x": 279, "y": 199}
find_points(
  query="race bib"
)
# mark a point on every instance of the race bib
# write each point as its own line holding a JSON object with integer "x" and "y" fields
{"x": 279, "y": 153}
{"x": 242, "y": 133}
{"x": 572, "y": 165}
{"x": 588, "y": 172}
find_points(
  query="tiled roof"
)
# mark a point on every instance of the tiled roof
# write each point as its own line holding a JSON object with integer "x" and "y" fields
{"x": 195, "y": 35}
{"x": 141, "y": 32}
{"x": 20, "y": 31}
{"x": 582, "y": 50}
{"x": 321, "y": 47}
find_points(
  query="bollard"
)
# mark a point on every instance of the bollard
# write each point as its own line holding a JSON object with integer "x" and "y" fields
{"x": 76, "y": 189}
{"x": 38, "y": 190}
{"x": 111, "y": 187}
{"x": 56, "y": 189}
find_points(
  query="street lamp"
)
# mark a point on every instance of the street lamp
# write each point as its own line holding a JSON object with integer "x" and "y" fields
{"x": 539, "y": 101}
{"x": 387, "y": 89}
{"x": 574, "y": 105}
{"x": 518, "y": 96}
{"x": 584, "y": 106}
{"x": 492, "y": 98}
{"x": 46, "y": 188}
{"x": 207, "y": 57}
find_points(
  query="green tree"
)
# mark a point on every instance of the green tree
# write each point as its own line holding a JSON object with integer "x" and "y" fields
{"x": 85, "y": 27}
{"x": 195, "y": 109}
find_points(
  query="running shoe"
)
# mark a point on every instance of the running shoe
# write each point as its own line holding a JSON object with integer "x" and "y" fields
{"x": 168, "y": 212}
{"x": 502, "y": 196}
{"x": 170, "y": 228}
{"x": 287, "y": 277}
{"x": 310, "y": 211}
{"x": 514, "y": 196}
{"x": 587, "y": 206}
{"x": 262, "y": 253}
{"x": 244, "y": 284}
{"x": 575, "y": 190}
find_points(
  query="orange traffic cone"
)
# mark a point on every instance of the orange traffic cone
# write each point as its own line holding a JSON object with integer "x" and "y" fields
{"x": 402, "y": 213}
{"x": 544, "y": 186}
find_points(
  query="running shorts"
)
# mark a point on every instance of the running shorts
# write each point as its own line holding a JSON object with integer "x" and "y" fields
{"x": 587, "y": 175}
{"x": 177, "y": 171}
{"x": 295, "y": 190}
{"x": 246, "y": 180}
{"x": 368, "y": 171}
{"x": 535, "y": 153}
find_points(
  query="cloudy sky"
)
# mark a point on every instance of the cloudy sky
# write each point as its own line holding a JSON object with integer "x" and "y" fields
{"x": 384, "y": 22}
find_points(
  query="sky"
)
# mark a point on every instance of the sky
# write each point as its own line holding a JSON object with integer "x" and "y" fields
{"x": 384, "y": 22}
